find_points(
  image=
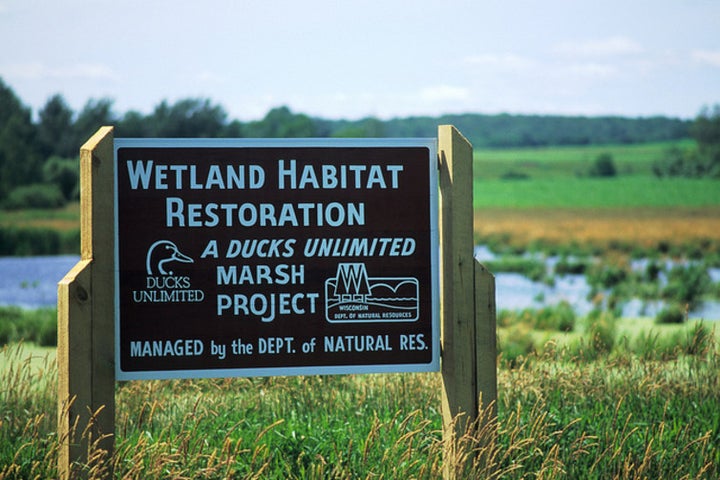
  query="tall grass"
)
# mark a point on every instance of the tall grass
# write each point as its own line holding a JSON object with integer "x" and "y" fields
{"x": 561, "y": 414}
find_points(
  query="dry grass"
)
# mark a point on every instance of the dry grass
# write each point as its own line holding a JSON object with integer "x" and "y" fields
{"x": 646, "y": 227}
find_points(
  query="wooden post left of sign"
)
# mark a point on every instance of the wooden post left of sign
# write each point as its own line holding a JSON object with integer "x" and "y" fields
{"x": 86, "y": 370}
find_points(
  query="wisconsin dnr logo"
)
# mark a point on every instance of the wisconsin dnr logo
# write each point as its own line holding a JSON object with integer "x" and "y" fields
{"x": 352, "y": 297}
{"x": 162, "y": 284}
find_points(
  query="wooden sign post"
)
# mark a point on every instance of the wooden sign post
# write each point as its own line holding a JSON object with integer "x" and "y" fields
{"x": 86, "y": 371}
{"x": 467, "y": 292}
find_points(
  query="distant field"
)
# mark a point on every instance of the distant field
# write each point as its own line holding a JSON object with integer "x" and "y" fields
{"x": 557, "y": 177}
{"x": 618, "y": 192}
{"x": 568, "y": 161}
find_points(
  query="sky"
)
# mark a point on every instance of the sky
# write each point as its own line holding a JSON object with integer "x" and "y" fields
{"x": 352, "y": 59}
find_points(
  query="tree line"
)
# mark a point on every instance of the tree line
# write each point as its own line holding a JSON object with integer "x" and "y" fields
{"x": 38, "y": 156}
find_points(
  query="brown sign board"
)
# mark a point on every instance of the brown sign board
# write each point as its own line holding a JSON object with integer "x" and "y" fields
{"x": 255, "y": 257}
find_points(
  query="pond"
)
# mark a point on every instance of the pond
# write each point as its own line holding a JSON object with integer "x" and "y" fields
{"x": 31, "y": 282}
{"x": 515, "y": 292}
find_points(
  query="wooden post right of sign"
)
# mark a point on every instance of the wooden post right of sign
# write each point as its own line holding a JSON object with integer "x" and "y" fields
{"x": 467, "y": 312}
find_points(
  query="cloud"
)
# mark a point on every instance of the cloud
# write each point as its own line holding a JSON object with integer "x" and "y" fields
{"x": 441, "y": 93}
{"x": 210, "y": 77}
{"x": 503, "y": 61}
{"x": 605, "y": 47}
{"x": 38, "y": 71}
{"x": 594, "y": 70}
{"x": 707, "y": 57}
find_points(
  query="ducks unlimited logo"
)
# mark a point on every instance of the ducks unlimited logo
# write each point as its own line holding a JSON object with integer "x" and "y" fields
{"x": 162, "y": 285}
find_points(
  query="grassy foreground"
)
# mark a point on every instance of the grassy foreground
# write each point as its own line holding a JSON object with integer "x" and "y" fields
{"x": 566, "y": 412}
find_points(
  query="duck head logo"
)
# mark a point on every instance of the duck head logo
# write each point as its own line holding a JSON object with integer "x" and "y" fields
{"x": 162, "y": 253}
{"x": 162, "y": 285}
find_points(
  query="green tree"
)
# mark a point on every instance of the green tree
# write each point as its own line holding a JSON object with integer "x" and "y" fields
{"x": 701, "y": 161}
{"x": 34, "y": 195}
{"x": 706, "y": 132}
{"x": 20, "y": 160}
{"x": 706, "y": 128}
{"x": 95, "y": 114}
{"x": 133, "y": 124}
{"x": 370, "y": 127}
{"x": 65, "y": 174}
{"x": 191, "y": 117}
{"x": 234, "y": 129}
{"x": 55, "y": 129}
{"x": 280, "y": 122}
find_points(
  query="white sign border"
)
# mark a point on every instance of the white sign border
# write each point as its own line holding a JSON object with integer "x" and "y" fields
{"x": 429, "y": 143}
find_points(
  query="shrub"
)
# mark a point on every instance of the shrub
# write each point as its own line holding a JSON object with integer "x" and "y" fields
{"x": 652, "y": 271}
{"x": 9, "y": 321}
{"x": 604, "y": 166}
{"x": 65, "y": 173}
{"x": 514, "y": 175}
{"x": 687, "y": 284}
{"x": 46, "y": 333}
{"x": 601, "y": 331}
{"x": 36, "y": 195}
{"x": 534, "y": 269}
{"x": 560, "y": 317}
{"x": 38, "y": 326}
{"x": 505, "y": 318}
{"x": 570, "y": 267}
{"x": 515, "y": 344}
{"x": 30, "y": 241}
{"x": 70, "y": 241}
{"x": 670, "y": 314}
{"x": 692, "y": 163}
{"x": 8, "y": 330}
{"x": 607, "y": 276}
{"x": 38, "y": 241}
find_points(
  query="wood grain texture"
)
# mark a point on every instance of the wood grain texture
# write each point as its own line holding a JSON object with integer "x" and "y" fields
{"x": 467, "y": 312}
{"x": 86, "y": 371}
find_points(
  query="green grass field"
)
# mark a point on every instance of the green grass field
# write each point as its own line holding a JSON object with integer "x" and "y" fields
{"x": 557, "y": 177}
{"x": 569, "y": 161}
{"x": 575, "y": 408}
{"x": 621, "y": 192}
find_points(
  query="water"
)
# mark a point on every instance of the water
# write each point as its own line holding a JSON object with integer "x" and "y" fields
{"x": 31, "y": 282}
{"x": 516, "y": 292}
